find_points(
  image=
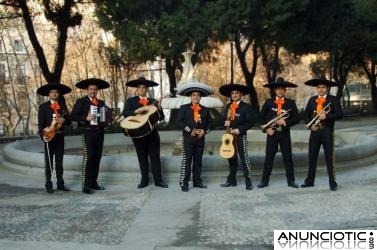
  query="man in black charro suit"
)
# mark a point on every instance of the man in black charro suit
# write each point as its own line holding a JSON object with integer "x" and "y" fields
{"x": 240, "y": 120}
{"x": 53, "y": 115}
{"x": 92, "y": 132}
{"x": 323, "y": 133}
{"x": 279, "y": 133}
{"x": 147, "y": 147}
{"x": 195, "y": 121}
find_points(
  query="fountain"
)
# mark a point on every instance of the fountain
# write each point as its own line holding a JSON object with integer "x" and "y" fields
{"x": 119, "y": 162}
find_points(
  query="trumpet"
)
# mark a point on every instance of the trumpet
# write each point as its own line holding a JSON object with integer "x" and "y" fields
{"x": 316, "y": 121}
{"x": 272, "y": 122}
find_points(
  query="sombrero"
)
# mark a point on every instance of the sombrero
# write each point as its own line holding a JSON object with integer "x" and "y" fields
{"x": 188, "y": 88}
{"x": 280, "y": 82}
{"x": 101, "y": 84}
{"x": 141, "y": 81}
{"x": 45, "y": 89}
{"x": 227, "y": 89}
{"x": 317, "y": 81}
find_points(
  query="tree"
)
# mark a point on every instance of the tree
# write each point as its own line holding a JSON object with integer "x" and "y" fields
{"x": 63, "y": 17}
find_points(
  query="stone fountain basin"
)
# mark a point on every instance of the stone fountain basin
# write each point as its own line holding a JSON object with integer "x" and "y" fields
{"x": 352, "y": 149}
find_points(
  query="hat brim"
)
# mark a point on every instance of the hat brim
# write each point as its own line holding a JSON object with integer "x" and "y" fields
{"x": 84, "y": 84}
{"x": 45, "y": 89}
{"x": 189, "y": 88}
{"x": 316, "y": 82}
{"x": 274, "y": 85}
{"x": 143, "y": 81}
{"x": 226, "y": 90}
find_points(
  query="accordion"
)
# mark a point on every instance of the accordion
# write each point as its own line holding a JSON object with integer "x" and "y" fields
{"x": 104, "y": 115}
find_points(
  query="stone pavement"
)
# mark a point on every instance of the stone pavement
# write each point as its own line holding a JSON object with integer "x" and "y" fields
{"x": 123, "y": 217}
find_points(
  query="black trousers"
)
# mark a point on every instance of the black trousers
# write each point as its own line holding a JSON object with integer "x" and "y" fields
{"x": 56, "y": 148}
{"x": 242, "y": 147}
{"x": 192, "y": 153}
{"x": 283, "y": 139}
{"x": 148, "y": 148}
{"x": 92, "y": 141}
{"x": 324, "y": 137}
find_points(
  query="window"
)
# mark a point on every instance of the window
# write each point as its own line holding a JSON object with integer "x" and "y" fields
{"x": 18, "y": 46}
{"x": 2, "y": 73}
{"x": 20, "y": 74}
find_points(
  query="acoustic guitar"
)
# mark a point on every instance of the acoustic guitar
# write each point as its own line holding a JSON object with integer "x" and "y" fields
{"x": 228, "y": 148}
{"x": 142, "y": 123}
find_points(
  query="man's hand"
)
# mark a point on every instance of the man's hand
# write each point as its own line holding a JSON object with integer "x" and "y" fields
{"x": 235, "y": 131}
{"x": 193, "y": 132}
{"x": 90, "y": 117}
{"x": 200, "y": 133}
{"x": 281, "y": 122}
{"x": 322, "y": 116}
{"x": 314, "y": 128}
{"x": 45, "y": 139}
{"x": 270, "y": 131}
{"x": 227, "y": 124}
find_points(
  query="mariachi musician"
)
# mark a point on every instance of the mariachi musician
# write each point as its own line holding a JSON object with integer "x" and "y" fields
{"x": 195, "y": 121}
{"x": 148, "y": 146}
{"x": 320, "y": 114}
{"x": 85, "y": 112}
{"x": 238, "y": 116}
{"x": 52, "y": 117}
{"x": 283, "y": 113}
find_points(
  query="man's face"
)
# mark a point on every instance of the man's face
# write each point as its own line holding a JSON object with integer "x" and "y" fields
{"x": 195, "y": 97}
{"x": 280, "y": 92}
{"x": 236, "y": 95}
{"x": 92, "y": 91}
{"x": 322, "y": 89}
{"x": 54, "y": 94}
{"x": 142, "y": 90}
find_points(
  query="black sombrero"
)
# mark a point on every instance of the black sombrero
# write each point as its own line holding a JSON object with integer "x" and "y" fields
{"x": 45, "y": 89}
{"x": 141, "y": 81}
{"x": 227, "y": 89}
{"x": 280, "y": 82}
{"x": 317, "y": 81}
{"x": 188, "y": 88}
{"x": 101, "y": 84}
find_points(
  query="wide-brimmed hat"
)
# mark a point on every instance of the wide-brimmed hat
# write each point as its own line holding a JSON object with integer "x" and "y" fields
{"x": 317, "y": 81}
{"x": 227, "y": 89}
{"x": 188, "y": 88}
{"x": 45, "y": 89}
{"x": 101, "y": 84}
{"x": 141, "y": 81}
{"x": 280, "y": 82}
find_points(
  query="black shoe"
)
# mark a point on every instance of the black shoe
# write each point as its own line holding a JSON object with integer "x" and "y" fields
{"x": 161, "y": 184}
{"x": 333, "y": 187}
{"x": 305, "y": 185}
{"x": 249, "y": 185}
{"x": 228, "y": 184}
{"x": 292, "y": 184}
{"x": 63, "y": 188}
{"x": 87, "y": 190}
{"x": 262, "y": 185}
{"x": 184, "y": 187}
{"x": 199, "y": 185}
{"x": 97, "y": 187}
{"x": 142, "y": 185}
{"x": 49, "y": 188}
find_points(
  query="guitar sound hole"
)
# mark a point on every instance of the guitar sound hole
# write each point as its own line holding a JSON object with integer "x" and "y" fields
{"x": 226, "y": 141}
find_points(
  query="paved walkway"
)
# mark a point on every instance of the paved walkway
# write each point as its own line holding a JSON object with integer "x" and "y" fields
{"x": 123, "y": 217}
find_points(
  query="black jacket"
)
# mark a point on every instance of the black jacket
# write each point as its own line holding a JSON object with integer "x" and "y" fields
{"x": 45, "y": 114}
{"x": 244, "y": 117}
{"x": 185, "y": 119}
{"x": 81, "y": 109}
{"x": 269, "y": 112}
{"x": 132, "y": 104}
{"x": 335, "y": 113}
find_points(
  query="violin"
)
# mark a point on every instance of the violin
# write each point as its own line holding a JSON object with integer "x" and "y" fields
{"x": 50, "y": 131}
